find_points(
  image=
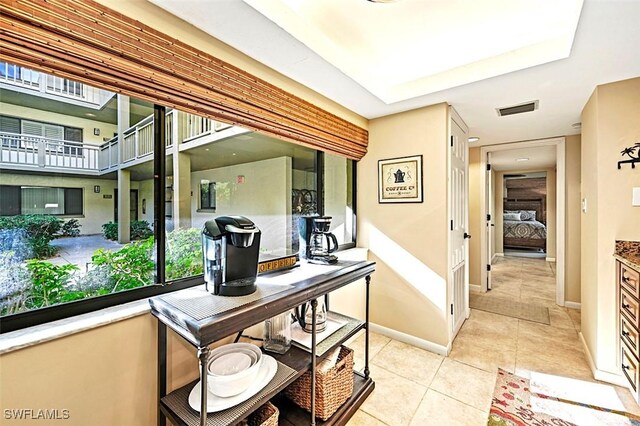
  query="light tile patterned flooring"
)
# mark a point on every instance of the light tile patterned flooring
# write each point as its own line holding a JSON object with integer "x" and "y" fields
{"x": 416, "y": 387}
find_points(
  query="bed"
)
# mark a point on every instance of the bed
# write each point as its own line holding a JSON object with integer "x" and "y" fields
{"x": 530, "y": 232}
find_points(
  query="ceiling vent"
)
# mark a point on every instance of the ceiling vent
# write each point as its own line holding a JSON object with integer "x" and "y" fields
{"x": 518, "y": 109}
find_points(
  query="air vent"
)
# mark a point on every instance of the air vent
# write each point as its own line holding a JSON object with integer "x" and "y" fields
{"x": 518, "y": 109}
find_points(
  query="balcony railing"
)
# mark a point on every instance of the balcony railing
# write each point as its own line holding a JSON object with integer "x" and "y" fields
{"x": 52, "y": 85}
{"x": 137, "y": 144}
{"x": 36, "y": 151}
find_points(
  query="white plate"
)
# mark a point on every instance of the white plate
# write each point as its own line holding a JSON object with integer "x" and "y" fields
{"x": 268, "y": 369}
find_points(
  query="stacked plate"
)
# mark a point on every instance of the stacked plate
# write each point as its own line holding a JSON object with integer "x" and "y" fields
{"x": 232, "y": 368}
{"x": 236, "y": 372}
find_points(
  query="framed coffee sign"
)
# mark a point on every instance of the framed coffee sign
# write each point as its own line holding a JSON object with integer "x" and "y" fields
{"x": 400, "y": 180}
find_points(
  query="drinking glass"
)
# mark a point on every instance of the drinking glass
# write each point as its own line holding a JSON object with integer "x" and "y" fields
{"x": 277, "y": 333}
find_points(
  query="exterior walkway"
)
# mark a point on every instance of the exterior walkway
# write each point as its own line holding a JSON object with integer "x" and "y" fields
{"x": 78, "y": 250}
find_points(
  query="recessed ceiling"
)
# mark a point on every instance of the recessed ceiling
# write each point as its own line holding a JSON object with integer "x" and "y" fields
{"x": 382, "y": 35}
{"x": 538, "y": 158}
{"x": 411, "y": 48}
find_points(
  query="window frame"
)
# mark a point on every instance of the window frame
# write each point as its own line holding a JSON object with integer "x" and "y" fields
{"x": 65, "y": 189}
{"x": 66, "y": 310}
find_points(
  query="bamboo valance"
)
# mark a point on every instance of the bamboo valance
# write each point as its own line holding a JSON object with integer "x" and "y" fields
{"x": 90, "y": 43}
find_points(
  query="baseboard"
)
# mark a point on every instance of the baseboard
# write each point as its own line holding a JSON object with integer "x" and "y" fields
{"x": 475, "y": 288}
{"x": 603, "y": 376}
{"x": 493, "y": 259}
{"x": 572, "y": 305}
{"x": 550, "y": 259}
{"x": 411, "y": 340}
{"x": 499, "y": 254}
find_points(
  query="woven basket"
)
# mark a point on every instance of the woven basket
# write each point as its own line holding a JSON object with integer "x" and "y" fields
{"x": 333, "y": 388}
{"x": 267, "y": 415}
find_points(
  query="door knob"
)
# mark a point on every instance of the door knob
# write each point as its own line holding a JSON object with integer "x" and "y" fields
{"x": 466, "y": 236}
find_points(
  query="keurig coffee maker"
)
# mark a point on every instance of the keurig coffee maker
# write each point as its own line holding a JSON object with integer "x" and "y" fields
{"x": 316, "y": 242}
{"x": 230, "y": 249}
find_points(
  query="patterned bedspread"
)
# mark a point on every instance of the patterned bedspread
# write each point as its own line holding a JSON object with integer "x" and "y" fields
{"x": 525, "y": 229}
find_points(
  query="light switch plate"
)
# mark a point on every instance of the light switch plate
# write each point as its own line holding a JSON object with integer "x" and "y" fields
{"x": 635, "y": 201}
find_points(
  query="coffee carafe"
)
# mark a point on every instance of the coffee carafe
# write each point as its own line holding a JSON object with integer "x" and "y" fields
{"x": 304, "y": 315}
{"x": 316, "y": 242}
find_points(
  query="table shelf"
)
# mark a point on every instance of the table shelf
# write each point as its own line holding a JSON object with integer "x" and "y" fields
{"x": 300, "y": 286}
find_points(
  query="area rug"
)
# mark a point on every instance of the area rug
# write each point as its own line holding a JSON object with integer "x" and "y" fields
{"x": 510, "y": 308}
{"x": 514, "y": 404}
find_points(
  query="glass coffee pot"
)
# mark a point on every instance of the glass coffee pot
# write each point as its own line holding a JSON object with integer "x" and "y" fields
{"x": 304, "y": 315}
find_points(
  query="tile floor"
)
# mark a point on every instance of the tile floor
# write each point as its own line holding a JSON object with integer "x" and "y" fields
{"x": 416, "y": 387}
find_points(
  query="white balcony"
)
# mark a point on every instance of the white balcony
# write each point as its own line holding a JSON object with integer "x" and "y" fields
{"x": 25, "y": 80}
{"x": 29, "y": 152}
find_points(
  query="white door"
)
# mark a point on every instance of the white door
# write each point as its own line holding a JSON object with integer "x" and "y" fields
{"x": 490, "y": 219}
{"x": 458, "y": 247}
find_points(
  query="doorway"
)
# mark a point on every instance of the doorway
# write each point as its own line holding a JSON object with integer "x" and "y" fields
{"x": 492, "y": 246}
{"x": 133, "y": 205}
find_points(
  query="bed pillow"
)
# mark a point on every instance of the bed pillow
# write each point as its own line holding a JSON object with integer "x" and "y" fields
{"x": 527, "y": 215}
{"x": 513, "y": 216}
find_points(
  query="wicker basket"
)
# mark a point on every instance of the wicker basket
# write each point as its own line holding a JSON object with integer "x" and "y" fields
{"x": 333, "y": 388}
{"x": 267, "y": 415}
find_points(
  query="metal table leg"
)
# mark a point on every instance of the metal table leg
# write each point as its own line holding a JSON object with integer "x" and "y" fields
{"x": 162, "y": 369}
{"x": 366, "y": 332}
{"x": 314, "y": 306}
{"x": 203, "y": 356}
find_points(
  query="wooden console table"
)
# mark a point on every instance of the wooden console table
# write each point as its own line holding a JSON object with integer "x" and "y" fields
{"x": 194, "y": 323}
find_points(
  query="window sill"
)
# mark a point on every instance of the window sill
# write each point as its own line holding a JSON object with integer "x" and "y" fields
{"x": 31, "y": 336}
{"x": 38, "y": 334}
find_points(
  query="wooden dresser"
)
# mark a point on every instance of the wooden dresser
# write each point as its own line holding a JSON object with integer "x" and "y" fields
{"x": 628, "y": 290}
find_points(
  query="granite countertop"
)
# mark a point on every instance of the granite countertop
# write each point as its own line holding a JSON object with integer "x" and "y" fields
{"x": 628, "y": 252}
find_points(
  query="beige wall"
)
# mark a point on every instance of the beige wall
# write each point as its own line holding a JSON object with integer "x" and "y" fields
{"x": 475, "y": 223}
{"x": 609, "y": 124}
{"x": 97, "y": 209}
{"x": 551, "y": 214}
{"x": 572, "y": 219}
{"x": 104, "y": 376}
{"x": 155, "y": 17}
{"x": 264, "y": 197}
{"x": 106, "y": 129}
{"x": 408, "y": 241}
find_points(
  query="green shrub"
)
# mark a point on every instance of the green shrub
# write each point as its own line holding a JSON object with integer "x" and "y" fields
{"x": 183, "y": 254}
{"x": 130, "y": 267}
{"x": 138, "y": 230}
{"x": 41, "y": 229}
{"x": 49, "y": 284}
{"x": 70, "y": 228}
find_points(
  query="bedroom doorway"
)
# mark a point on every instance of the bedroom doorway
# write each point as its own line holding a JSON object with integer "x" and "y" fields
{"x": 523, "y": 211}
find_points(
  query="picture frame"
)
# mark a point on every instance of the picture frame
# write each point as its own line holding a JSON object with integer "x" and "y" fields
{"x": 400, "y": 180}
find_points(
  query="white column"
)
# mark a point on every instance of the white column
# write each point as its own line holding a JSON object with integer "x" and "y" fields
{"x": 124, "y": 176}
{"x": 181, "y": 190}
{"x": 124, "y": 205}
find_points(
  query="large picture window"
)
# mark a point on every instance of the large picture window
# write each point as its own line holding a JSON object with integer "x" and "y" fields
{"x": 179, "y": 170}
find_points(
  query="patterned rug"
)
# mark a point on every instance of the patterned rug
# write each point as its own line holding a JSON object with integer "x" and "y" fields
{"x": 514, "y": 404}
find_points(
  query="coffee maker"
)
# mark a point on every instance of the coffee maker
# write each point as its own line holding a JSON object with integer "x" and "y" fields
{"x": 316, "y": 242}
{"x": 230, "y": 249}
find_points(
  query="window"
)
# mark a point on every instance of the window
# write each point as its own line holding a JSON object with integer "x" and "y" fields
{"x": 64, "y": 139}
{"x": 207, "y": 195}
{"x": 219, "y": 170}
{"x": 40, "y": 200}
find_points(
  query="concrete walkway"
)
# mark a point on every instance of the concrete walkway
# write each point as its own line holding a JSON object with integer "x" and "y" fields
{"x": 78, "y": 250}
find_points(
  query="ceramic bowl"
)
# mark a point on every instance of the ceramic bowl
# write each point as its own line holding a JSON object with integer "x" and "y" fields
{"x": 232, "y": 384}
{"x": 230, "y": 363}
